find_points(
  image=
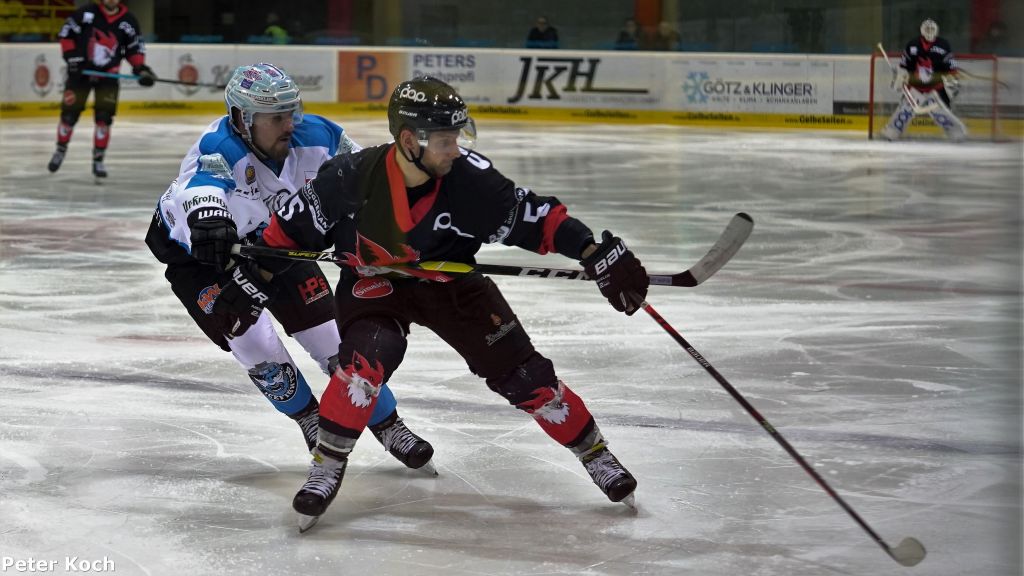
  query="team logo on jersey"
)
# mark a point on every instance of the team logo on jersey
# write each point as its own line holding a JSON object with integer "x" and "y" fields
{"x": 102, "y": 47}
{"x": 367, "y": 288}
{"x": 250, "y": 174}
{"x": 207, "y": 296}
{"x": 278, "y": 382}
{"x": 364, "y": 381}
{"x": 496, "y": 320}
{"x": 42, "y": 81}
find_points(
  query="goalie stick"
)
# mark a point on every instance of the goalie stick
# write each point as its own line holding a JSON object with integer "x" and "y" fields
{"x": 728, "y": 243}
{"x": 135, "y": 77}
{"x": 909, "y": 552}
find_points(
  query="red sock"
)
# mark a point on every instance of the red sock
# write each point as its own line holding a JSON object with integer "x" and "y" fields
{"x": 101, "y": 136}
{"x": 352, "y": 393}
{"x": 64, "y": 131}
{"x": 562, "y": 414}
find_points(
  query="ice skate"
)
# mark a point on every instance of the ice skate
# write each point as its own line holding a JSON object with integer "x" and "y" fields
{"x": 322, "y": 485}
{"x": 610, "y": 476}
{"x": 99, "y": 171}
{"x": 404, "y": 445}
{"x": 57, "y": 159}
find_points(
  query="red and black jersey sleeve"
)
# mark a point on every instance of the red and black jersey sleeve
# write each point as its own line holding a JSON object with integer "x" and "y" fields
{"x": 73, "y": 40}
{"x": 309, "y": 219}
{"x": 513, "y": 215}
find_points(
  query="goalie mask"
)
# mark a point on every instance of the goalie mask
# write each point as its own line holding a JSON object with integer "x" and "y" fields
{"x": 929, "y": 30}
{"x": 261, "y": 88}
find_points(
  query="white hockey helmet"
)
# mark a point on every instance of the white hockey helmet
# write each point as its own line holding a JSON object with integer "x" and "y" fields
{"x": 929, "y": 30}
{"x": 262, "y": 88}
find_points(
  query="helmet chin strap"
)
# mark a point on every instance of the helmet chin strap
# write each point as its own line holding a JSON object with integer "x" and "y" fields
{"x": 417, "y": 161}
{"x": 246, "y": 136}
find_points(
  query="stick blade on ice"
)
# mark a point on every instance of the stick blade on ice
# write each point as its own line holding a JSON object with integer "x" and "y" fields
{"x": 910, "y": 552}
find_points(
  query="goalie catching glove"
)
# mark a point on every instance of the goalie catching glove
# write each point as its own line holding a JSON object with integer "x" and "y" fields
{"x": 243, "y": 296}
{"x": 619, "y": 275}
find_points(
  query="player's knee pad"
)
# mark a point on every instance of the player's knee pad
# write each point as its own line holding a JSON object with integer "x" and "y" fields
{"x": 533, "y": 388}
{"x": 525, "y": 382}
{"x": 371, "y": 342}
{"x": 105, "y": 115}
{"x": 70, "y": 116}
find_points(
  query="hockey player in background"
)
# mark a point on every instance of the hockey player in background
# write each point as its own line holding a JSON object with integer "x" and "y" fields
{"x": 97, "y": 37}
{"x": 426, "y": 197}
{"x": 244, "y": 165}
{"x": 927, "y": 78}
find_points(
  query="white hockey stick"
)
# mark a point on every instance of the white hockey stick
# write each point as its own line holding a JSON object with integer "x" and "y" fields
{"x": 728, "y": 243}
{"x": 917, "y": 108}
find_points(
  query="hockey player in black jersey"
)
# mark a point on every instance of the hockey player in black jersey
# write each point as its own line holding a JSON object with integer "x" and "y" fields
{"x": 927, "y": 78}
{"x": 97, "y": 37}
{"x": 427, "y": 197}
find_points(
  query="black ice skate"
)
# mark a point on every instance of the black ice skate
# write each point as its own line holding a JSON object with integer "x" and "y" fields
{"x": 98, "y": 169}
{"x": 403, "y": 444}
{"x": 610, "y": 476}
{"x": 318, "y": 492}
{"x": 57, "y": 159}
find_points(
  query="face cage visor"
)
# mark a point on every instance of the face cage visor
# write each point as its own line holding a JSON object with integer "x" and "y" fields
{"x": 293, "y": 106}
{"x": 929, "y": 30}
{"x": 465, "y": 139}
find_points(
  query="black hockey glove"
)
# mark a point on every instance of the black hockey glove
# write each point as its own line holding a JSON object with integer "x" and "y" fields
{"x": 146, "y": 75}
{"x": 75, "y": 66}
{"x": 212, "y": 239}
{"x": 619, "y": 275}
{"x": 243, "y": 296}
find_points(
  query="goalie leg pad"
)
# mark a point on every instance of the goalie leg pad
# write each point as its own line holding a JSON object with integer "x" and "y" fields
{"x": 950, "y": 124}
{"x": 533, "y": 388}
{"x": 899, "y": 121}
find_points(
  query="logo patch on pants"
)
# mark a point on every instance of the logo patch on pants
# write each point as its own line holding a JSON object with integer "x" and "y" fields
{"x": 372, "y": 288}
{"x": 278, "y": 382}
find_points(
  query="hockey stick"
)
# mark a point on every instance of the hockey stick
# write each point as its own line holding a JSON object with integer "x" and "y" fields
{"x": 917, "y": 108}
{"x": 136, "y": 77}
{"x": 730, "y": 241}
{"x": 909, "y": 552}
{"x": 1001, "y": 84}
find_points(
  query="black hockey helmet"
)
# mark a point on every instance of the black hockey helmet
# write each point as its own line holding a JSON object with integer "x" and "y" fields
{"x": 426, "y": 104}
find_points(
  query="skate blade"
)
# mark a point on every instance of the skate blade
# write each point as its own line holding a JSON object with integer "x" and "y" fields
{"x": 307, "y": 522}
{"x": 428, "y": 468}
{"x": 630, "y": 502}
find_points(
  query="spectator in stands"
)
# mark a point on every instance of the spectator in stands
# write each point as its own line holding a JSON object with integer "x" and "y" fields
{"x": 542, "y": 35}
{"x": 274, "y": 30}
{"x": 665, "y": 38}
{"x": 994, "y": 42}
{"x": 628, "y": 36}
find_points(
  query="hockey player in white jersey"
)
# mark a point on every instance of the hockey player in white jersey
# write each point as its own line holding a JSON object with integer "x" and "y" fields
{"x": 926, "y": 77}
{"x": 246, "y": 165}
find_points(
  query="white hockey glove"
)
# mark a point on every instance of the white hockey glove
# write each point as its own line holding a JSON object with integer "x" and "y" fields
{"x": 951, "y": 84}
{"x": 900, "y": 78}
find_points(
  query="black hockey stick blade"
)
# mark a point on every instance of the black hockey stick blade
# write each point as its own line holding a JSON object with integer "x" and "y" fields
{"x": 728, "y": 244}
{"x": 910, "y": 552}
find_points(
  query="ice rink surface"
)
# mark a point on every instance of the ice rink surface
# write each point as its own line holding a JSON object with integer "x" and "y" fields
{"x": 874, "y": 317}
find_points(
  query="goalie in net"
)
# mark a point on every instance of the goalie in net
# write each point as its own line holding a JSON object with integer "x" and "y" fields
{"x": 926, "y": 76}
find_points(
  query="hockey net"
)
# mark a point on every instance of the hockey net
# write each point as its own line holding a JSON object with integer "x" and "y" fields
{"x": 977, "y": 103}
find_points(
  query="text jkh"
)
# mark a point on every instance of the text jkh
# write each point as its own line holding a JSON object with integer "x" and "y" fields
{"x": 548, "y": 70}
